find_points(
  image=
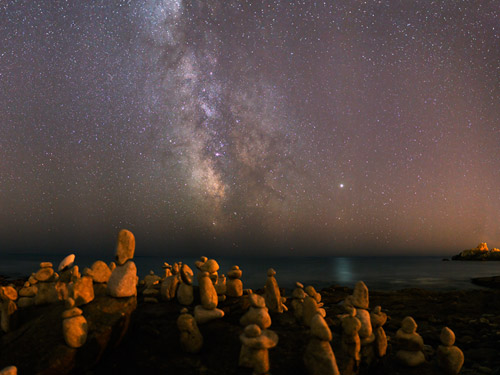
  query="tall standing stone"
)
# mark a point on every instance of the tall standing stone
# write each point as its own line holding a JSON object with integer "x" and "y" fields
{"x": 123, "y": 279}
{"x": 449, "y": 357}
{"x": 319, "y": 358}
{"x": 125, "y": 247}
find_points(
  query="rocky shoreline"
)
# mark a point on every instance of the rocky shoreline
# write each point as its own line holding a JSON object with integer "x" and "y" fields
{"x": 147, "y": 338}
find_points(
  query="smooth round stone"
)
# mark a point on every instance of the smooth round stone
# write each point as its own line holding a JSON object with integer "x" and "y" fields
{"x": 25, "y": 302}
{"x": 32, "y": 279}
{"x": 66, "y": 263}
{"x": 202, "y": 315}
{"x": 298, "y": 293}
{"x": 450, "y": 359}
{"x": 44, "y": 274}
{"x": 447, "y": 337}
{"x": 29, "y": 291}
{"x": 210, "y": 266}
{"x": 70, "y": 313}
{"x": 190, "y": 336}
{"x": 9, "y": 292}
{"x": 187, "y": 274}
{"x": 123, "y": 281}
{"x": 320, "y": 329}
{"x": 10, "y": 370}
{"x": 271, "y": 272}
{"x": 359, "y": 297}
{"x": 46, "y": 265}
{"x": 150, "y": 300}
{"x": 208, "y": 294}
{"x": 234, "y": 287}
{"x": 408, "y": 325}
{"x": 75, "y": 331}
{"x": 83, "y": 290}
{"x": 257, "y": 300}
{"x": 185, "y": 294}
{"x": 252, "y": 330}
{"x": 256, "y": 315}
{"x": 410, "y": 358}
{"x": 69, "y": 303}
{"x": 201, "y": 262}
{"x": 100, "y": 272}
{"x": 125, "y": 247}
{"x": 366, "y": 325}
{"x": 234, "y": 273}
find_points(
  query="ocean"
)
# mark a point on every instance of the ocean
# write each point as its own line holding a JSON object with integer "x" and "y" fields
{"x": 379, "y": 273}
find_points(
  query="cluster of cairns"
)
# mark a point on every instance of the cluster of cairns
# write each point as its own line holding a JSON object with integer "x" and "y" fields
{"x": 363, "y": 339}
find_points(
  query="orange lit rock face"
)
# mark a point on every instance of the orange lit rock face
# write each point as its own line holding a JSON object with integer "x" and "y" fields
{"x": 125, "y": 247}
{"x": 123, "y": 281}
{"x": 319, "y": 357}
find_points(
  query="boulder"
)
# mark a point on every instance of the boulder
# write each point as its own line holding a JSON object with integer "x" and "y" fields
{"x": 123, "y": 280}
{"x": 125, "y": 247}
{"x": 100, "y": 272}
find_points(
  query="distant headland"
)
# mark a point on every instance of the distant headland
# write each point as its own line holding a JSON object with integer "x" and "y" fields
{"x": 481, "y": 252}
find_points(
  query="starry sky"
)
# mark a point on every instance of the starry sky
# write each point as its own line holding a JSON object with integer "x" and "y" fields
{"x": 250, "y": 127}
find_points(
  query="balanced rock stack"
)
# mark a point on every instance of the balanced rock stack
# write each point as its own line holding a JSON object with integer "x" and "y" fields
{"x": 65, "y": 272}
{"x": 185, "y": 294}
{"x": 82, "y": 290}
{"x": 208, "y": 295}
{"x": 211, "y": 266}
{"x": 449, "y": 357}
{"x": 298, "y": 296}
{"x": 254, "y": 349}
{"x": 234, "y": 286}
{"x": 27, "y": 295}
{"x": 150, "y": 291}
{"x": 274, "y": 301}
{"x": 169, "y": 286}
{"x": 257, "y": 313}
{"x": 351, "y": 343}
{"x": 410, "y": 343}
{"x": 123, "y": 279}
{"x": 319, "y": 358}
{"x": 74, "y": 325}
{"x": 46, "y": 284}
{"x": 8, "y": 295}
{"x": 378, "y": 319}
{"x": 190, "y": 336}
{"x": 311, "y": 307}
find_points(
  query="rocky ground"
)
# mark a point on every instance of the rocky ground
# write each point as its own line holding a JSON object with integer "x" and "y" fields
{"x": 151, "y": 345}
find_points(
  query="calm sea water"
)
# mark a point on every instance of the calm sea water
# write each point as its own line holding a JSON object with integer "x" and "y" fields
{"x": 379, "y": 273}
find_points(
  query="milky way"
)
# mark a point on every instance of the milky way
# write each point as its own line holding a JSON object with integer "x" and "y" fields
{"x": 293, "y": 127}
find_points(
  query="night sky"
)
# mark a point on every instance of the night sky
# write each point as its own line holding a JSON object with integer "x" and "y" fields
{"x": 275, "y": 127}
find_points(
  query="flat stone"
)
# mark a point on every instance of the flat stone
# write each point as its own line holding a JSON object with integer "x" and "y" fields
{"x": 75, "y": 331}
{"x": 151, "y": 300}
{"x": 210, "y": 266}
{"x": 123, "y": 280}
{"x": 8, "y": 292}
{"x": 150, "y": 292}
{"x": 66, "y": 263}
{"x": 46, "y": 265}
{"x": 203, "y": 315}
{"x": 70, "y": 313}
{"x": 29, "y": 291}
{"x": 44, "y": 274}
{"x": 256, "y": 315}
{"x": 125, "y": 247}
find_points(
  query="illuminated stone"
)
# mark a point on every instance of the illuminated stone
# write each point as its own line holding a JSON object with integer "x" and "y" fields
{"x": 378, "y": 319}
{"x": 359, "y": 298}
{"x": 203, "y": 315}
{"x": 319, "y": 358}
{"x": 190, "y": 336}
{"x": 83, "y": 290}
{"x": 351, "y": 343}
{"x": 257, "y": 313}
{"x": 125, "y": 247}
{"x": 208, "y": 294}
{"x": 66, "y": 263}
{"x": 254, "y": 349}
{"x": 272, "y": 295}
{"x": 100, "y": 272}
{"x": 123, "y": 280}
{"x": 234, "y": 286}
{"x": 409, "y": 343}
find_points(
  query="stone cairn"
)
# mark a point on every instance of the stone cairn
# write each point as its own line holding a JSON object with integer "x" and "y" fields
{"x": 272, "y": 295}
{"x": 190, "y": 336}
{"x": 82, "y": 290}
{"x": 449, "y": 357}
{"x": 27, "y": 295}
{"x": 254, "y": 349}
{"x": 409, "y": 343}
{"x": 46, "y": 284}
{"x": 311, "y": 307}
{"x": 185, "y": 294}
{"x": 360, "y": 301}
{"x": 167, "y": 270}
{"x": 151, "y": 283}
{"x": 351, "y": 343}
{"x": 378, "y": 319}
{"x": 298, "y": 296}
{"x": 74, "y": 325}
{"x": 257, "y": 313}
{"x": 234, "y": 286}
{"x": 208, "y": 295}
{"x": 211, "y": 266}
{"x": 319, "y": 358}
{"x": 8, "y": 296}
{"x": 169, "y": 286}
{"x": 123, "y": 279}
